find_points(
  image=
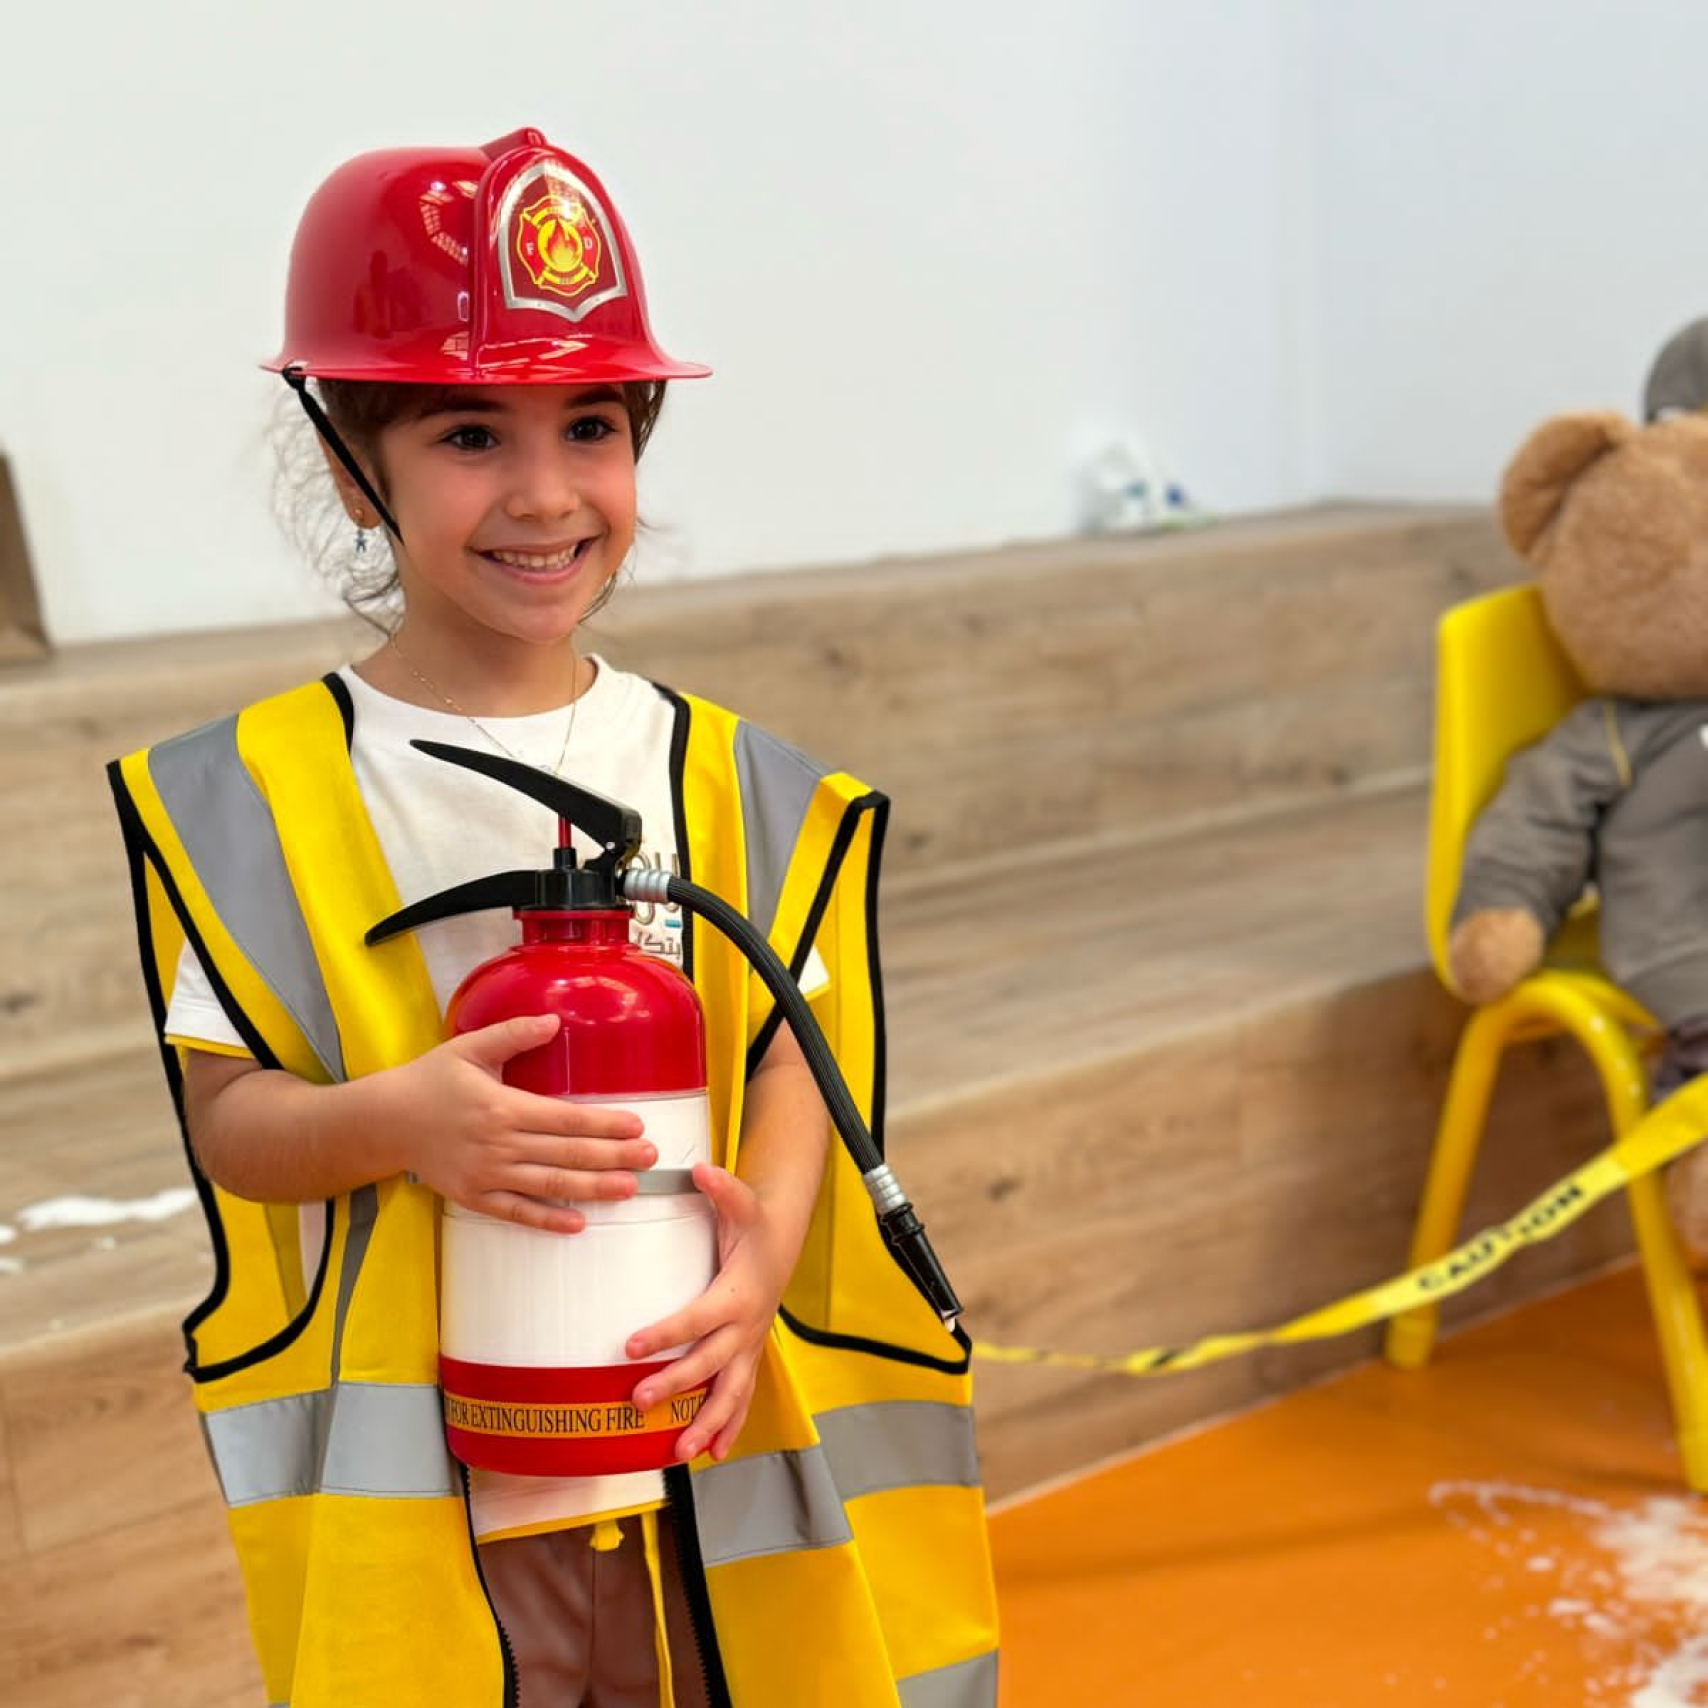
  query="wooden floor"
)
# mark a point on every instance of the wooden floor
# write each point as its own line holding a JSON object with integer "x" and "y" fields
{"x": 1504, "y": 1529}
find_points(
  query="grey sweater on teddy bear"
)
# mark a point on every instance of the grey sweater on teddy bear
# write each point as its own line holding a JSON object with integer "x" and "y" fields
{"x": 1616, "y": 794}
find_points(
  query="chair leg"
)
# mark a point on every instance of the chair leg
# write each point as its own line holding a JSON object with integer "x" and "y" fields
{"x": 1410, "y": 1336}
{"x": 1678, "y": 1324}
{"x": 1671, "y": 1287}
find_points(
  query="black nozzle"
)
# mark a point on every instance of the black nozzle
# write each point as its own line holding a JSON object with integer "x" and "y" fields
{"x": 904, "y": 1233}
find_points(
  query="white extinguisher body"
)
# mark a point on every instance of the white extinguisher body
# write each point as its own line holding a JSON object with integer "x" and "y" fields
{"x": 533, "y": 1324}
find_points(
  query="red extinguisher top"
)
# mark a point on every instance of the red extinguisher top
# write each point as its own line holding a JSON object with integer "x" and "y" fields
{"x": 502, "y": 265}
{"x": 629, "y": 1022}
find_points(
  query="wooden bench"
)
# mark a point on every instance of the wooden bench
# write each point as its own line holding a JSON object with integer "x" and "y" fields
{"x": 1165, "y": 1053}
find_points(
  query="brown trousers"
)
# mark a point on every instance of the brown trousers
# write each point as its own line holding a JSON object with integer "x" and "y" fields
{"x": 581, "y": 1622}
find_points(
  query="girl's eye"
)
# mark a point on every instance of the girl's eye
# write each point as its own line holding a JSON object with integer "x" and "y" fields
{"x": 471, "y": 437}
{"x": 590, "y": 429}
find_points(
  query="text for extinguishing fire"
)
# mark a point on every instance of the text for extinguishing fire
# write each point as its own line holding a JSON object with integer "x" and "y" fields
{"x": 605, "y": 1419}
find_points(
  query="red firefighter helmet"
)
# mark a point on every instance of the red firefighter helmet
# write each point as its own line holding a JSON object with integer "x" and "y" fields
{"x": 502, "y": 265}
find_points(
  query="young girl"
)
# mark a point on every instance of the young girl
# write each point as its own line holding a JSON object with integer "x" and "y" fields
{"x": 474, "y": 325}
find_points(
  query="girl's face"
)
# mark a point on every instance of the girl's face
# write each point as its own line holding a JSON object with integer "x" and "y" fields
{"x": 516, "y": 505}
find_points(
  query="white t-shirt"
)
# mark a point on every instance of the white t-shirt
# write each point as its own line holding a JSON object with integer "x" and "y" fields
{"x": 440, "y": 825}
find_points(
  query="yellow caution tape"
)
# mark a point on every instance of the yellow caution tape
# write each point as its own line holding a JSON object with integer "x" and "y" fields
{"x": 1667, "y": 1131}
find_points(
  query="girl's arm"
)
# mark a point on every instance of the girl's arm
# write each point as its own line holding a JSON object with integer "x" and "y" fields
{"x": 447, "y": 1117}
{"x": 763, "y": 1210}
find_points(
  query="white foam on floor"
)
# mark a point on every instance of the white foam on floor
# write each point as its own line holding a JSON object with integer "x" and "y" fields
{"x": 104, "y": 1212}
{"x": 1681, "y": 1679}
{"x": 1645, "y": 1581}
{"x": 1661, "y": 1551}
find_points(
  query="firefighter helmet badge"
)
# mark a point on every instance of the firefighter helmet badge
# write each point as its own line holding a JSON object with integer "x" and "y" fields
{"x": 559, "y": 244}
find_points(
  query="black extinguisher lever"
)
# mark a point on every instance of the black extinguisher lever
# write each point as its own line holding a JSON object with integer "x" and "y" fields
{"x": 615, "y": 827}
{"x": 500, "y": 889}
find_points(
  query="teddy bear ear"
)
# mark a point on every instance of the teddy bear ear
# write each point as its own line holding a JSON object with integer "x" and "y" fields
{"x": 1548, "y": 462}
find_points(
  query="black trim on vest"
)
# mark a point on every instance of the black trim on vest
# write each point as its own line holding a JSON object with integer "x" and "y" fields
{"x": 879, "y": 806}
{"x": 839, "y": 847}
{"x": 252, "y": 1040}
{"x": 339, "y": 689}
{"x": 679, "y": 1494}
{"x": 875, "y": 971}
{"x": 506, "y": 1650}
{"x": 882, "y": 1348}
{"x": 678, "y": 772}
{"x": 292, "y": 1330}
{"x": 142, "y": 844}
{"x": 678, "y": 1491}
{"x": 135, "y": 840}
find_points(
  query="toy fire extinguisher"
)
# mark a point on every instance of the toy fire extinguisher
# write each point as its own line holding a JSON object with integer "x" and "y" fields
{"x": 532, "y": 1324}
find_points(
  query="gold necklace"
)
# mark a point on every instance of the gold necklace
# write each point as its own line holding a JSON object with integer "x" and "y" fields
{"x": 504, "y": 747}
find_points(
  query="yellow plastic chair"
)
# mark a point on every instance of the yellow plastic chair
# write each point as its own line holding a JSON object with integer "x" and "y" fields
{"x": 1501, "y": 683}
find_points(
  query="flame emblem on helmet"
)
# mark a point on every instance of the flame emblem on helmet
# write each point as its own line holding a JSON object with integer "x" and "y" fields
{"x": 558, "y": 241}
{"x": 558, "y": 249}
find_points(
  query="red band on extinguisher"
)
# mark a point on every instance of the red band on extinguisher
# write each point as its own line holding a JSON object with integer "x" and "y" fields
{"x": 548, "y": 1422}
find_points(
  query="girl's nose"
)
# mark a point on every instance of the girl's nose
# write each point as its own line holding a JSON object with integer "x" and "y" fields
{"x": 544, "y": 489}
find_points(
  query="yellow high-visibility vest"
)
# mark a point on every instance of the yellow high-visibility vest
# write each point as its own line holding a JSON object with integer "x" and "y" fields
{"x": 839, "y": 1555}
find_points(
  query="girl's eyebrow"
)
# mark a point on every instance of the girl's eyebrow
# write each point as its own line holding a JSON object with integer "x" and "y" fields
{"x": 494, "y": 406}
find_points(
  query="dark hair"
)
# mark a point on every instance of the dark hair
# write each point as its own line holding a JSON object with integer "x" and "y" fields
{"x": 362, "y": 409}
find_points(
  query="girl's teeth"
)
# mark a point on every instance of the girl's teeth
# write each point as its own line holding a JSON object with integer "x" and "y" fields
{"x": 528, "y": 560}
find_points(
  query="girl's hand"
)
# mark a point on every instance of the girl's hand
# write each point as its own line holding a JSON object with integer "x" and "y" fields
{"x": 504, "y": 1152}
{"x": 728, "y": 1323}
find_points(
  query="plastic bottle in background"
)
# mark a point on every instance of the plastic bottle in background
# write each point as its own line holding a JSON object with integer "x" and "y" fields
{"x": 1128, "y": 491}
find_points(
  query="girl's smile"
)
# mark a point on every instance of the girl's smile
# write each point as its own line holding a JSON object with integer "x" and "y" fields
{"x": 538, "y": 561}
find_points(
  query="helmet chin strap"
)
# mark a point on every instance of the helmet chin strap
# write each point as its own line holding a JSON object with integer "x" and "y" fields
{"x": 297, "y": 380}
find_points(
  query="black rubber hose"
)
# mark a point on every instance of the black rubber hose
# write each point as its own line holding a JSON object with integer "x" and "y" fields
{"x": 844, "y": 1114}
{"x": 902, "y": 1229}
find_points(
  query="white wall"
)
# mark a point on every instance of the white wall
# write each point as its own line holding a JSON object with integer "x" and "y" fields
{"x": 934, "y": 252}
{"x": 937, "y": 253}
{"x": 1511, "y": 221}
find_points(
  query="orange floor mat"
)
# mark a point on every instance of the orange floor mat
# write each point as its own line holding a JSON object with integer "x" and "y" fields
{"x": 1504, "y": 1529}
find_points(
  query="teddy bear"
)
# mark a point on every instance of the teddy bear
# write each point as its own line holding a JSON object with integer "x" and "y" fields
{"x": 1613, "y": 518}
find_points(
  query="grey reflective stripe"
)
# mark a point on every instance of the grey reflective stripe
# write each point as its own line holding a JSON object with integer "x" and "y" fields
{"x": 777, "y": 782}
{"x": 776, "y": 1501}
{"x": 966, "y": 1684}
{"x": 364, "y": 1210}
{"x": 228, "y": 833}
{"x": 768, "y": 1504}
{"x": 358, "y": 1438}
{"x": 895, "y": 1444}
